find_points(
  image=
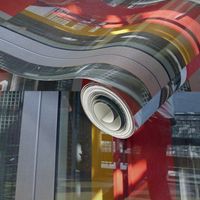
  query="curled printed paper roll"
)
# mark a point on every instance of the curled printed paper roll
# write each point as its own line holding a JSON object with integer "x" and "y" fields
{"x": 135, "y": 66}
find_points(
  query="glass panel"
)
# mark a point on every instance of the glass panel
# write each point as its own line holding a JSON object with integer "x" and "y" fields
{"x": 74, "y": 157}
{"x": 10, "y": 122}
{"x": 160, "y": 161}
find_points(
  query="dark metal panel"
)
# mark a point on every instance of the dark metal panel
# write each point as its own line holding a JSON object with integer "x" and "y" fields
{"x": 63, "y": 135}
{"x": 62, "y": 166}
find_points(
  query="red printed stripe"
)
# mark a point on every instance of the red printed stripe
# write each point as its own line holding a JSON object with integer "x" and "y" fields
{"x": 12, "y": 7}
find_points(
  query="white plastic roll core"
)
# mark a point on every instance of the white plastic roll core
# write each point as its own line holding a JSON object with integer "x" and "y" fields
{"x": 107, "y": 111}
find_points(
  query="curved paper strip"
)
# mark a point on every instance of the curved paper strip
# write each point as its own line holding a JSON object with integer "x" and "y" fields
{"x": 139, "y": 59}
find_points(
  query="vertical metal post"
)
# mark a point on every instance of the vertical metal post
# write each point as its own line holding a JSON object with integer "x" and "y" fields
{"x": 36, "y": 163}
{"x": 20, "y": 83}
{"x": 47, "y": 140}
{"x": 63, "y": 145}
{"x": 15, "y": 83}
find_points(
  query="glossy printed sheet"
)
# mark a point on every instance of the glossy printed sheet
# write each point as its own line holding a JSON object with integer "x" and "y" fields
{"x": 136, "y": 53}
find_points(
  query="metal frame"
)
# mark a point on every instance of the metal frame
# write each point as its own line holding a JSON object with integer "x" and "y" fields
{"x": 37, "y": 152}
